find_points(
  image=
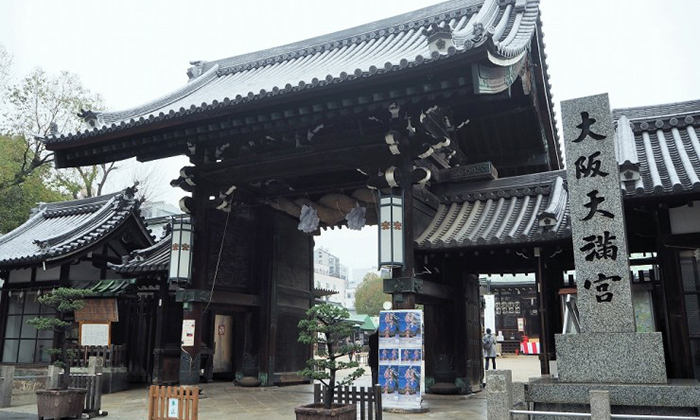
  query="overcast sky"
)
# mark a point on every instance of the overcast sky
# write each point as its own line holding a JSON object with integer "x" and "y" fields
{"x": 132, "y": 51}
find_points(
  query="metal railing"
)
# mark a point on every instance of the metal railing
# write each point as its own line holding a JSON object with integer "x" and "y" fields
{"x": 612, "y": 416}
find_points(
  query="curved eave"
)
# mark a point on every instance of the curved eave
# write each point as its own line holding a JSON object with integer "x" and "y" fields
{"x": 154, "y": 259}
{"x": 68, "y": 250}
{"x": 60, "y": 231}
{"x": 502, "y": 216}
{"x": 393, "y": 45}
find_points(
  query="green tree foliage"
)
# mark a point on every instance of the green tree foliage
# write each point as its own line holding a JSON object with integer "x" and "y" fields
{"x": 38, "y": 106}
{"x": 18, "y": 200}
{"x": 327, "y": 326}
{"x": 64, "y": 301}
{"x": 370, "y": 295}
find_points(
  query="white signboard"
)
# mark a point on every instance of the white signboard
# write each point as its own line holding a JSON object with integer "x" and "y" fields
{"x": 490, "y": 312}
{"x": 94, "y": 334}
{"x": 173, "y": 405}
{"x": 187, "y": 332}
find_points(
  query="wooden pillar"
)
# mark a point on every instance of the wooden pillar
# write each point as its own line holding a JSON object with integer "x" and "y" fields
{"x": 542, "y": 288}
{"x": 190, "y": 356}
{"x": 679, "y": 361}
{"x": 267, "y": 324}
{"x": 408, "y": 300}
{"x": 161, "y": 311}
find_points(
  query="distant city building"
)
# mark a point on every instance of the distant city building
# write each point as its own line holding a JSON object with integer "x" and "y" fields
{"x": 335, "y": 269}
{"x": 330, "y": 274}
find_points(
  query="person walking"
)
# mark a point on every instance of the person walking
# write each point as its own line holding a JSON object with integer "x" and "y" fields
{"x": 489, "y": 344}
{"x": 373, "y": 357}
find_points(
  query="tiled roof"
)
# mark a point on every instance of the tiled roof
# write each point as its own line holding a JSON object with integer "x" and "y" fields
{"x": 662, "y": 141}
{"x": 525, "y": 209}
{"x": 155, "y": 258}
{"x": 661, "y": 146}
{"x": 105, "y": 288}
{"x": 58, "y": 230}
{"x": 501, "y": 29}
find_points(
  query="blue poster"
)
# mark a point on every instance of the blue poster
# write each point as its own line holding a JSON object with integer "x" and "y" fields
{"x": 409, "y": 380}
{"x": 410, "y": 327}
{"x": 388, "y": 356}
{"x": 410, "y": 385}
{"x": 389, "y": 382}
{"x": 388, "y": 328}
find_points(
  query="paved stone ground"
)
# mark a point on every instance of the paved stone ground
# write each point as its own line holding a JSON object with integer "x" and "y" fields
{"x": 224, "y": 401}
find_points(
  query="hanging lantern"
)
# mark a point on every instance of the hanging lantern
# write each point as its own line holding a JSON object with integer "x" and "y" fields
{"x": 181, "y": 250}
{"x": 391, "y": 230}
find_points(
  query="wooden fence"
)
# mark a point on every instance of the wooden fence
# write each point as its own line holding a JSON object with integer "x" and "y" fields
{"x": 159, "y": 402}
{"x": 113, "y": 355}
{"x": 93, "y": 384}
{"x": 367, "y": 399}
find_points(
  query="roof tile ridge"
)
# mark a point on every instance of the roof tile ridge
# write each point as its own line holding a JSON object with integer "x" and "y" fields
{"x": 78, "y": 203}
{"x": 440, "y": 12}
{"x": 550, "y": 216}
{"x": 625, "y": 143}
{"x": 114, "y": 206}
{"x": 106, "y": 118}
{"x": 476, "y": 33}
{"x": 654, "y": 107}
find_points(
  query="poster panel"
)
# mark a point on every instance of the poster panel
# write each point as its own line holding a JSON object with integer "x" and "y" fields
{"x": 401, "y": 358}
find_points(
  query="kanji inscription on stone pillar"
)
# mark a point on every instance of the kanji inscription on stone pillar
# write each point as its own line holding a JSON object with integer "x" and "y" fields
{"x": 597, "y": 216}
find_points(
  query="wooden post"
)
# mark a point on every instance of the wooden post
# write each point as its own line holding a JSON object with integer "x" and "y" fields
{"x": 190, "y": 356}
{"x": 163, "y": 302}
{"x": 679, "y": 360}
{"x": 407, "y": 300}
{"x": 543, "y": 290}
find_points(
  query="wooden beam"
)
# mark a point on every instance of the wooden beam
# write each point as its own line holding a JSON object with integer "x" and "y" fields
{"x": 419, "y": 287}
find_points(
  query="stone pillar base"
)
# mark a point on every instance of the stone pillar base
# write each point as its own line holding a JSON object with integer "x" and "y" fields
{"x": 632, "y": 358}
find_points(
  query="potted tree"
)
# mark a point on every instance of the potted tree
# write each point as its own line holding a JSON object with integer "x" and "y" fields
{"x": 328, "y": 328}
{"x": 62, "y": 401}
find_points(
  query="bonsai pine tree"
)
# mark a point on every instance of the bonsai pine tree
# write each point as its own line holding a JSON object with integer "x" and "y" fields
{"x": 327, "y": 326}
{"x": 64, "y": 300}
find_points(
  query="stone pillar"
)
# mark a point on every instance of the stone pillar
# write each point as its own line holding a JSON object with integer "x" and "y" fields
{"x": 95, "y": 365}
{"x": 519, "y": 401}
{"x": 8, "y": 376}
{"x": 499, "y": 398}
{"x": 600, "y": 405}
{"x": 54, "y": 377}
{"x": 608, "y": 349}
